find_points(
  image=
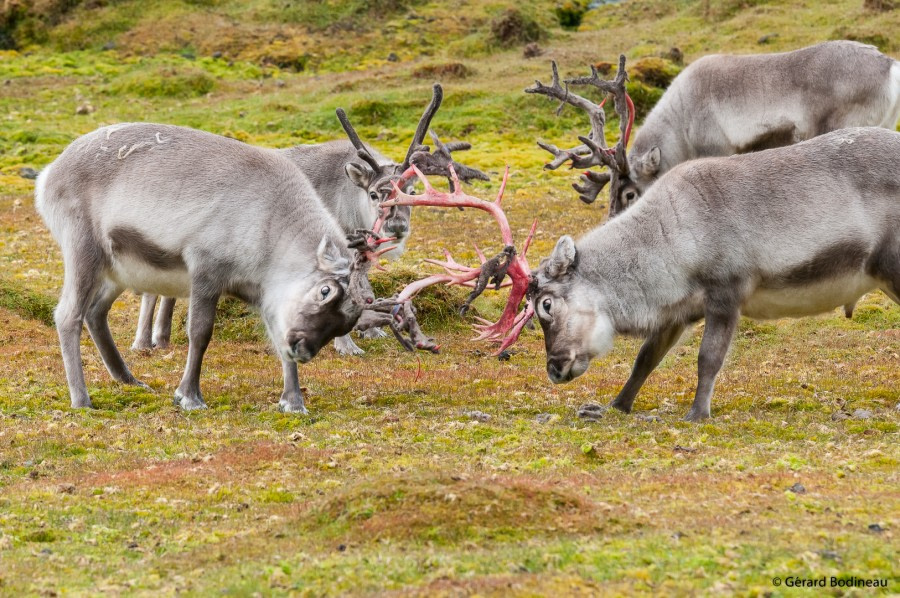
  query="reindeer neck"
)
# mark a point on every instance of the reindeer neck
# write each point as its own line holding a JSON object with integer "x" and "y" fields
{"x": 637, "y": 270}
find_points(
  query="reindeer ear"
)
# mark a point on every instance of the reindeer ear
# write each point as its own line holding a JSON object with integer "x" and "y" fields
{"x": 360, "y": 174}
{"x": 330, "y": 259}
{"x": 562, "y": 259}
{"x": 648, "y": 164}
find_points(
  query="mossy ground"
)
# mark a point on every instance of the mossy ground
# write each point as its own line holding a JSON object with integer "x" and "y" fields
{"x": 388, "y": 485}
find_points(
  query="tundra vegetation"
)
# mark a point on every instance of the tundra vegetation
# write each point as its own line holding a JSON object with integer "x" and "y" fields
{"x": 447, "y": 474}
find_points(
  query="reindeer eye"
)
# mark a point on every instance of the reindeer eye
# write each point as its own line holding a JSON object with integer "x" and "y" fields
{"x": 547, "y": 304}
{"x": 630, "y": 196}
{"x": 373, "y": 196}
{"x": 325, "y": 291}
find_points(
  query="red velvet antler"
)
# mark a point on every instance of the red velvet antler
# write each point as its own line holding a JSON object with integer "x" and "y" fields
{"x": 507, "y": 329}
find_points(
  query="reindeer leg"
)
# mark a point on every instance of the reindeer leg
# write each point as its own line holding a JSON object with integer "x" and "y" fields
{"x": 201, "y": 318}
{"x": 721, "y": 323}
{"x": 374, "y": 333}
{"x": 162, "y": 328}
{"x": 344, "y": 345}
{"x": 142, "y": 337}
{"x": 82, "y": 278}
{"x": 98, "y": 327}
{"x": 292, "y": 397}
{"x": 652, "y": 352}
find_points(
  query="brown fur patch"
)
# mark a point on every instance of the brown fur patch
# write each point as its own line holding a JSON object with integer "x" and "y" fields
{"x": 128, "y": 241}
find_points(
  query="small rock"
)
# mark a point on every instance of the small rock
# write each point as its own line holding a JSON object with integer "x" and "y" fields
{"x": 242, "y": 506}
{"x": 297, "y": 436}
{"x": 28, "y": 173}
{"x": 591, "y": 412}
{"x": 504, "y": 356}
{"x": 46, "y": 551}
{"x": 862, "y": 414}
{"x": 683, "y": 449}
{"x": 798, "y": 488}
{"x": 85, "y": 108}
{"x": 830, "y": 555}
{"x": 279, "y": 83}
{"x": 545, "y": 418}
{"x": 649, "y": 418}
{"x": 110, "y": 45}
{"x": 766, "y": 38}
{"x": 132, "y": 545}
{"x": 839, "y": 416}
{"x": 8, "y": 82}
{"x": 242, "y": 114}
{"x": 532, "y": 50}
{"x": 478, "y": 416}
{"x": 392, "y": 57}
{"x": 217, "y": 54}
{"x": 66, "y": 489}
{"x": 187, "y": 54}
{"x": 875, "y": 528}
{"x": 342, "y": 547}
{"x": 678, "y": 535}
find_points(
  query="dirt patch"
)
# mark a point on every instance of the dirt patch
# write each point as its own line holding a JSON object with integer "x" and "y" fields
{"x": 449, "y": 70}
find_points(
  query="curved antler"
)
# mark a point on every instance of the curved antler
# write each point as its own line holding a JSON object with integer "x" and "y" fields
{"x": 361, "y": 149}
{"x": 437, "y": 97}
{"x": 624, "y": 108}
{"x": 508, "y": 262}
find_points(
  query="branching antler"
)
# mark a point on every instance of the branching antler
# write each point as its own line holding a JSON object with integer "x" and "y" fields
{"x": 439, "y": 161}
{"x": 506, "y": 330}
{"x": 581, "y": 156}
{"x": 593, "y": 151}
{"x": 624, "y": 108}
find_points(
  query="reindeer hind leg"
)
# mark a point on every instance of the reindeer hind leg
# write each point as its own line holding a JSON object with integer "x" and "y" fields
{"x": 98, "y": 326}
{"x": 83, "y": 263}
{"x": 143, "y": 336}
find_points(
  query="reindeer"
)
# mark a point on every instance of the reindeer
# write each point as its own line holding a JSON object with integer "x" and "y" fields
{"x": 722, "y": 105}
{"x": 785, "y": 232}
{"x": 352, "y": 179}
{"x": 178, "y": 212}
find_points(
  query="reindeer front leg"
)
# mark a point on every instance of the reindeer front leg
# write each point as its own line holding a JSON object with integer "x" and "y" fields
{"x": 652, "y": 352}
{"x": 292, "y": 397}
{"x": 721, "y": 322}
{"x": 201, "y": 318}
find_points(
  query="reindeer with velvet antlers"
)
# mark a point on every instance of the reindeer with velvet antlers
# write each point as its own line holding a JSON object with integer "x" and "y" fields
{"x": 723, "y": 105}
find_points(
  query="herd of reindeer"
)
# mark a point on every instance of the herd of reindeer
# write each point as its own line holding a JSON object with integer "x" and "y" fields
{"x": 763, "y": 185}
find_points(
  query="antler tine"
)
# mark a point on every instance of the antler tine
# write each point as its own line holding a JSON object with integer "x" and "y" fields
{"x": 580, "y": 156}
{"x": 361, "y": 150}
{"x": 437, "y": 97}
{"x": 616, "y": 87}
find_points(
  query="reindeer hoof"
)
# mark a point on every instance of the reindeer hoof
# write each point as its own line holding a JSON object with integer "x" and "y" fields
{"x": 141, "y": 346}
{"x": 189, "y": 403}
{"x": 696, "y": 416}
{"x": 82, "y": 403}
{"x": 292, "y": 407}
{"x": 344, "y": 345}
{"x": 374, "y": 333}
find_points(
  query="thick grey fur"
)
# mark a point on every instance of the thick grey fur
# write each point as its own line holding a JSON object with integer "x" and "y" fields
{"x": 177, "y": 212}
{"x": 722, "y": 105}
{"x": 346, "y": 193}
{"x": 786, "y": 232}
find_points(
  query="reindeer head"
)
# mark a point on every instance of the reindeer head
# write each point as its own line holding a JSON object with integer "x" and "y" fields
{"x": 624, "y": 190}
{"x": 576, "y": 327}
{"x": 317, "y": 308}
{"x": 378, "y": 180}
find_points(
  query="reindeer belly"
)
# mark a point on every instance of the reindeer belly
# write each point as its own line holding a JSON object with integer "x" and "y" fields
{"x": 766, "y": 303}
{"x": 140, "y": 264}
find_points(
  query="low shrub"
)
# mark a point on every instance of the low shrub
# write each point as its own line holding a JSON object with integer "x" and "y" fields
{"x": 171, "y": 82}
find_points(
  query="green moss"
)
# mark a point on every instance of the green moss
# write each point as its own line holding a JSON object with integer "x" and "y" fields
{"x": 157, "y": 82}
{"x": 25, "y": 302}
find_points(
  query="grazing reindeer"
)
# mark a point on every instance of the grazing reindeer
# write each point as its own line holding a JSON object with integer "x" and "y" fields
{"x": 722, "y": 105}
{"x": 179, "y": 212}
{"x": 351, "y": 191}
{"x": 786, "y": 232}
